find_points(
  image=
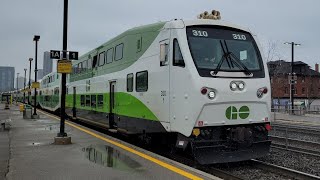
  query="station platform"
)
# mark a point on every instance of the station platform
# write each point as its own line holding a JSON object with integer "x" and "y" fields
{"x": 27, "y": 152}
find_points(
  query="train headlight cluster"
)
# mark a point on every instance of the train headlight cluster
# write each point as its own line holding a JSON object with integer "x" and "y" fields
{"x": 211, "y": 93}
{"x": 237, "y": 85}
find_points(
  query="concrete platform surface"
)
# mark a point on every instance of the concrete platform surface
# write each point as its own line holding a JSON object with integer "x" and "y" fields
{"x": 27, "y": 152}
{"x": 311, "y": 120}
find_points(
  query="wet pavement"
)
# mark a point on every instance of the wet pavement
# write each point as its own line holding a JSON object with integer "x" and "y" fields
{"x": 33, "y": 156}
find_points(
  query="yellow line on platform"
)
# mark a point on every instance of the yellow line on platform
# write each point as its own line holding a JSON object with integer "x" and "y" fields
{"x": 145, "y": 156}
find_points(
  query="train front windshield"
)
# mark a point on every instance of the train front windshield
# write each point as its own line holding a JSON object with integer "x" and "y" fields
{"x": 224, "y": 49}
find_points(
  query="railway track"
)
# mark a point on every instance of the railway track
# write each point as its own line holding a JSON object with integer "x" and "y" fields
{"x": 296, "y": 129}
{"x": 296, "y": 145}
{"x": 285, "y": 171}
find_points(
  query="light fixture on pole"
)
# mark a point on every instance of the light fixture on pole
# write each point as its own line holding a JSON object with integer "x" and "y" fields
{"x": 36, "y": 39}
{"x": 29, "y": 84}
{"x": 17, "y": 88}
{"x": 24, "y": 86}
{"x": 292, "y": 74}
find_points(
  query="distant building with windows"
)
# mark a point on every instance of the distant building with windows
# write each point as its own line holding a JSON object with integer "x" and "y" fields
{"x": 20, "y": 80}
{"x": 40, "y": 74}
{"x": 47, "y": 63}
{"x": 307, "y": 82}
{"x": 7, "y": 78}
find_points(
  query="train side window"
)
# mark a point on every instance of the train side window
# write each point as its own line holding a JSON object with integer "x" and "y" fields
{"x": 82, "y": 100}
{"x": 93, "y": 101}
{"x": 101, "y": 59}
{"x": 177, "y": 55}
{"x": 164, "y": 52}
{"x": 109, "y": 55}
{"x": 88, "y": 100}
{"x": 94, "y": 62}
{"x": 84, "y": 66}
{"x": 142, "y": 81}
{"x": 139, "y": 44}
{"x": 118, "y": 52}
{"x": 130, "y": 82}
{"x": 100, "y": 100}
{"x": 89, "y": 63}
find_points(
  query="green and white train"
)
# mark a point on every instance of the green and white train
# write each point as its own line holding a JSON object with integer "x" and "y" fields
{"x": 200, "y": 85}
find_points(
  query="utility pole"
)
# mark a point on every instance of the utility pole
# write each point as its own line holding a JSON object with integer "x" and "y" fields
{"x": 292, "y": 75}
{"x": 24, "y": 86}
{"x": 29, "y": 90}
{"x": 62, "y": 137}
{"x": 36, "y": 39}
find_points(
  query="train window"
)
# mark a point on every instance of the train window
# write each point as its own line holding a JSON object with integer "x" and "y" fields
{"x": 119, "y": 52}
{"x": 82, "y": 100}
{"x": 130, "y": 82}
{"x": 100, "y": 100}
{"x": 94, "y": 62}
{"x": 109, "y": 55}
{"x": 88, "y": 100}
{"x": 101, "y": 59}
{"x": 84, "y": 65}
{"x": 177, "y": 55}
{"x": 139, "y": 44}
{"x": 164, "y": 51}
{"x": 89, "y": 63}
{"x": 142, "y": 81}
{"x": 93, "y": 101}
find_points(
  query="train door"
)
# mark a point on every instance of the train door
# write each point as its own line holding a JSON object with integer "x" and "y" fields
{"x": 164, "y": 79}
{"x": 112, "y": 105}
{"x": 180, "y": 87}
{"x": 74, "y": 103}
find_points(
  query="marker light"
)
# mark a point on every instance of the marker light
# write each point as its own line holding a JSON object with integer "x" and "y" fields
{"x": 211, "y": 95}
{"x": 241, "y": 86}
{"x": 233, "y": 86}
{"x": 268, "y": 127}
{"x": 261, "y": 91}
{"x": 204, "y": 90}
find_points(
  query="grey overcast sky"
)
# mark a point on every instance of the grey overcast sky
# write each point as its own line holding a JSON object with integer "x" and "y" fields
{"x": 93, "y": 22}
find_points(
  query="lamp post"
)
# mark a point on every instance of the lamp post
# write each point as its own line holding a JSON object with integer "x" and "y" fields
{"x": 17, "y": 88}
{"x": 24, "y": 86}
{"x": 36, "y": 39}
{"x": 29, "y": 84}
{"x": 292, "y": 74}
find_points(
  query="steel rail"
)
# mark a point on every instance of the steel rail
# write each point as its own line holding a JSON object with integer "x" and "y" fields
{"x": 285, "y": 171}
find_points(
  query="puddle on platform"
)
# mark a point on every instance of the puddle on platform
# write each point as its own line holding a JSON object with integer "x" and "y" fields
{"x": 51, "y": 127}
{"x": 110, "y": 157}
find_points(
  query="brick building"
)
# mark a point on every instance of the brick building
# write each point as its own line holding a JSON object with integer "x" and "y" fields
{"x": 307, "y": 85}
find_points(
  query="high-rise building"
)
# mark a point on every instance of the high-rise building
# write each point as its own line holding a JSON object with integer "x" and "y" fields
{"x": 6, "y": 78}
{"x": 47, "y": 63}
{"x": 20, "y": 82}
{"x": 40, "y": 74}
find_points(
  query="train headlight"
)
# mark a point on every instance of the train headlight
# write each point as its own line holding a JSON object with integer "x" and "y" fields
{"x": 233, "y": 86}
{"x": 241, "y": 86}
{"x": 211, "y": 94}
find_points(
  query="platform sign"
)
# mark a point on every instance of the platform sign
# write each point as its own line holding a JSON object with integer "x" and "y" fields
{"x": 54, "y": 54}
{"x": 35, "y": 85}
{"x": 73, "y": 55}
{"x": 64, "y": 66}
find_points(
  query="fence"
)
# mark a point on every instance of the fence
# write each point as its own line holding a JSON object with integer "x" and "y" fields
{"x": 297, "y": 110}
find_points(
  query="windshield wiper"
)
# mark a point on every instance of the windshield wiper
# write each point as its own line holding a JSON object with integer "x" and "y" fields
{"x": 223, "y": 57}
{"x": 230, "y": 57}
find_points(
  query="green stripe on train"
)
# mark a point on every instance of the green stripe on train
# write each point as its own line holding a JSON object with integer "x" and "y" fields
{"x": 125, "y": 105}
